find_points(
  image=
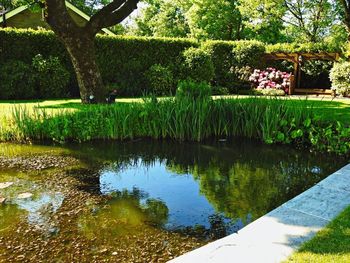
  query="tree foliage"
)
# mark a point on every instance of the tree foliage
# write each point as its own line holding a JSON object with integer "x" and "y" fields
{"x": 270, "y": 21}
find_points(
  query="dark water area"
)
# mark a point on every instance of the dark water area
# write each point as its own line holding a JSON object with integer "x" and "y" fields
{"x": 147, "y": 191}
{"x": 203, "y": 185}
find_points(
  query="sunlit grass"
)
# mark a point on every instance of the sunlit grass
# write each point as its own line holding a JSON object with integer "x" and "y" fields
{"x": 332, "y": 244}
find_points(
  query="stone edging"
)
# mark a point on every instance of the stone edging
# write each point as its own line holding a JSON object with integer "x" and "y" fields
{"x": 276, "y": 235}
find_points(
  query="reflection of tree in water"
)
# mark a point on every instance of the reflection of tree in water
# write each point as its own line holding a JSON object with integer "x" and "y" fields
{"x": 10, "y": 216}
{"x": 238, "y": 178}
{"x": 256, "y": 182}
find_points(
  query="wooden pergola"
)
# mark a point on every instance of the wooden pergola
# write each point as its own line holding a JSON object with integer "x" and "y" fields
{"x": 297, "y": 59}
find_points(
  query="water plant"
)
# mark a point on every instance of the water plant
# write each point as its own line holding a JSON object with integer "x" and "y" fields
{"x": 183, "y": 119}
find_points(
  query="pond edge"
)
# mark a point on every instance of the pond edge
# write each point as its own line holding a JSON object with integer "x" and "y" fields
{"x": 276, "y": 235}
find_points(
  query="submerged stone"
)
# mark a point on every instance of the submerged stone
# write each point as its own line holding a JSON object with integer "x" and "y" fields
{"x": 5, "y": 185}
{"x": 24, "y": 195}
{"x": 2, "y": 200}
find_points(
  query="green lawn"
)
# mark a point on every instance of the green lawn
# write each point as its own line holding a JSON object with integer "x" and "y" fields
{"x": 332, "y": 244}
{"x": 6, "y": 107}
{"x": 328, "y": 109}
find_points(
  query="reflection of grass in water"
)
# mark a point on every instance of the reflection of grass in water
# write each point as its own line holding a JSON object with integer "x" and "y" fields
{"x": 15, "y": 150}
{"x": 125, "y": 214}
{"x": 10, "y": 216}
{"x": 118, "y": 218}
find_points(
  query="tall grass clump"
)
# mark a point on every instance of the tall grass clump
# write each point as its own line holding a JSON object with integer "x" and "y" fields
{"x": 181, "y": 118}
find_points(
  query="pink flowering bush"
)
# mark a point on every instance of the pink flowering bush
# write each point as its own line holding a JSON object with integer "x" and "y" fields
{"x": 271, "y": 81}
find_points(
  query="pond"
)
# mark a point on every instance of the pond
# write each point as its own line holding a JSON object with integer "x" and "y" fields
{"x": 142, "y": 200}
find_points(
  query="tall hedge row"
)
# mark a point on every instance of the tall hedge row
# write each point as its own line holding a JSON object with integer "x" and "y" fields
{"x": 125, "y": 61}
{"x": 122, "y": 60}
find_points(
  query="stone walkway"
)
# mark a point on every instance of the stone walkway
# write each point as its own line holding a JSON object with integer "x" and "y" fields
{"x": 274, "y": 237}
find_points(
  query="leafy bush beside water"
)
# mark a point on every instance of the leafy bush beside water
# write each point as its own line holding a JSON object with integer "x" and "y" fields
{"x": 188, "y": 89}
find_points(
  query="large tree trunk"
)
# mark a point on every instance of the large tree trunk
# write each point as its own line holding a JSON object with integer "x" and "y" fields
{"x": 82, "y": 52}
{"x": 79, "y": 41}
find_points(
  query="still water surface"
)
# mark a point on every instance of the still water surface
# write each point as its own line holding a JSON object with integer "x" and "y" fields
{"x": 143, "y": 190}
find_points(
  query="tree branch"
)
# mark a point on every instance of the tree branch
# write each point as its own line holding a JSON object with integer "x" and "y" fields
{"x": 111, "y": 14}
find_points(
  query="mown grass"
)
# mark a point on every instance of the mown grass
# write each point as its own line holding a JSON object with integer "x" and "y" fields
{"x": 332, "y": 244}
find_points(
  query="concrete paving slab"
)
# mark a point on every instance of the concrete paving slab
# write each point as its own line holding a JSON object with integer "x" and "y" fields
{"x": 274, "y": 237}
{"x": 271, "y": 238}
{"x": 321, "y": 202}
{"x": 338, "y": 180}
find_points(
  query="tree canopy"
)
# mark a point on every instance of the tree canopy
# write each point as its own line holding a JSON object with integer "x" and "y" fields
{"x": 270, "y": 21}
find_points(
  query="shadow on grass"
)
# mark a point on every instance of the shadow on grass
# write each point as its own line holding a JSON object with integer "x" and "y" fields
{"x": 334, "y": 239}
{"x": 20, "y": 101}
{"x": 78, "y": 105}
{"x": 65, "y": 105}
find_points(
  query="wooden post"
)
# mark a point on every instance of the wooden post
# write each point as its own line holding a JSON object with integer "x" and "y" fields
{"x": 295, "y": 73}
{"x": 299, "y": 72}
{"x": 292, "y": 85}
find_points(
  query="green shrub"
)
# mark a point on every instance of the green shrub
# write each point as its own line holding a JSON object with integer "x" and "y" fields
{"x": 331, "y": 136}
{"x": 51, "y": 77}
{"x": 16, "y": 80}
{"x": 160, "y": 80}
{"x": 233, "y": 61}
{"x": 188, "y": 89}
{"x": 198, "y": 65}
{"x": 340, "y": 77}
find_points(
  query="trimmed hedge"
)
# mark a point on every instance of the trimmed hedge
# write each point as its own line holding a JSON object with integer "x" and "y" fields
{"x": 307, "y": 47}
{"x": 125, "y": 61}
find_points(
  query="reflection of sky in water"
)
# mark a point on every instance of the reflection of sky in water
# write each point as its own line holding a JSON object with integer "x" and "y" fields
{"x": 41, "y": 208}
{"x": 180, "y": 193}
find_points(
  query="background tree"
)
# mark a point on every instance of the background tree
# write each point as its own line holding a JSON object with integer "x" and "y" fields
{"x": 343, "y": 8}
{"x": 162, "y": 18}
{"x": 262, "y": 20}
{"x": 219, "y": 19}
{"x": 311, "y": 18}
{"x": 79, "y": 41}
